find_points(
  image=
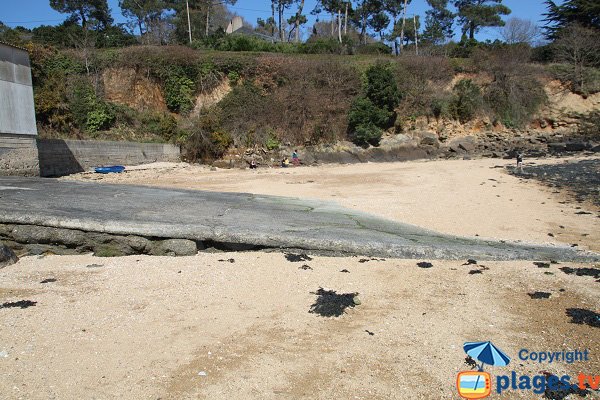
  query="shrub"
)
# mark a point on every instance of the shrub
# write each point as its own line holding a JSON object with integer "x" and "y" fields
{"x": 250, "y": 43}
{"x": 364, "y": 113}
{"x": 205, "y": 140}
{"x": 467, "y": 100}
{"x": 589, "y": 125}
{"x": 63, "y": 64}
{"x": 272, "y": 142}
{"x": 159, "y": 124}
{"x": 99, "y": 118}
{"x": 321, "y": 46}
{"x": 441, "y": 107}
{"x": 376, "y": 48}
{"x": 373, "y": 112}
{"x": 588, "y": 84}
{"x": 515, "y": 99}
{"x": 179, "y": 91}
{"x": 234, "y": 77}
{"x": 220, "y": 141}
{"x": 51, "y": 104}
{"x": 381, "y": 87}
{"x": 543, "y": 54}
{"x": 365, "y": 135}
{"x": 89, "y": 112}
{"x": 422, "y": 82}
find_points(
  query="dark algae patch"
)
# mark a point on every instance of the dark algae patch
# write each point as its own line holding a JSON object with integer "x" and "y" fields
{"x": 19, "y": 304}
{"x": 291, "y": 257}
{"x": 329, "y": 303}
{"x": 581, "y": 316}
{"x": 581, "y": 178}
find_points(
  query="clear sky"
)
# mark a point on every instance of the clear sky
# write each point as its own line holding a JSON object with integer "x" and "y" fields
{"x": 32, "y": 13}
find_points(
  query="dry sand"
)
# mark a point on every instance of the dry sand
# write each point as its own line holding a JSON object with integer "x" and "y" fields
{"x": 143, "y": 327}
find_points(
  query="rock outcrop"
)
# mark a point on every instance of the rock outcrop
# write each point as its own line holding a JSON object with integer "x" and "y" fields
{"x": 7, "y": 256}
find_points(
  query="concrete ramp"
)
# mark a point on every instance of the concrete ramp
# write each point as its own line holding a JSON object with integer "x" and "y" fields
{"x": 244, "y": 219}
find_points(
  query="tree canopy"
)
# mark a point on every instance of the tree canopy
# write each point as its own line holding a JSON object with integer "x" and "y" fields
{"x": 582, "y": 12}
{"x": 438, "y": 22}
{"x": 476, "y": 14}
{"x": 85, "y": 10}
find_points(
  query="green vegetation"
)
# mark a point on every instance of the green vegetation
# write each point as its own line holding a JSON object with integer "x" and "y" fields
{"x": 590, "y": 124}
{"x": 467, "y": 100}
{"x": 335, "y": 85}
{"x": 373, "y": 112}
{"x": 274, "y": 98}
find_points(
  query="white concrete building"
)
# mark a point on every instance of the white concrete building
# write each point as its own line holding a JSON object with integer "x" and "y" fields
{"x": 18, "y": 131}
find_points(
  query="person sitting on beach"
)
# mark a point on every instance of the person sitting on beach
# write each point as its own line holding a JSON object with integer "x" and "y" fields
{"x": 285, "y": 163}
{"x": 253, "y": 164}
{"x": 295, "y": 159}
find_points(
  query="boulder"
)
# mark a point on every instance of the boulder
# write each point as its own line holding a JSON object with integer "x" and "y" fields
{"x": 463, "y": 144}
{"x": 429, "y": 139}
{"x": 31, "y": 234}
{"x": 139, "y": 244}
{"x": 68, "y": 237}
{"x": 105, "y": 245}
{"x": 596, "y": 149}
{"x": 576, "y": 146}
{"x": 7, "y": 256}
{"x": 557, "y": 147}
{"x": 47, "y": 235}
{"x": 174, "y": 247}
{"x": 43, "y": 249}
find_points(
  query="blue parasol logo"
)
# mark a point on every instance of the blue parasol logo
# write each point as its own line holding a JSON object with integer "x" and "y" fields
{"x": 477, "y": 385}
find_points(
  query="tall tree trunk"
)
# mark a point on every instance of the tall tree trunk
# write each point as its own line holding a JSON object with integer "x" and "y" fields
{"x": 416, "y": 35}
{"x": 346, "y": 20}
{"x": 339, "y": 17}
{"x": 363, "y": 25}
{"x": 396, "y": 52}
{"x": 187, "y": 6}
{"x": 273, "y": 20}
{"x": 298, "y": 14}
{"x": 403, "y": 25}
{"x": 280, "y": 15}
{"x": 332, "y": 23}
{"x": 471, "y": 30}
{"x": 83, "y": 20}
{"x": 141, "y": 30}
{"x": 161, "y": 33}
{"x": 208, "y": 7}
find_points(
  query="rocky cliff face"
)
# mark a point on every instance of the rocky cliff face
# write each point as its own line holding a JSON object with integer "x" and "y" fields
{"x": 552, "y": 130}
{"x": 564, "y": 108}
{"x": 207, "y": 99}
{"x": 132, "y": 88}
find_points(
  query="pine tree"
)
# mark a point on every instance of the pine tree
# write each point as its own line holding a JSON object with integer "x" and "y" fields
{"x": 438, "y": 22}
{"x": 476, "y": 14}
{"x": 84, "y": 11}
{"x": 585, "y": 13}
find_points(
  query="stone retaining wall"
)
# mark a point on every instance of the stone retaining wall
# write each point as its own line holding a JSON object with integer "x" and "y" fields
{"x": 18, "y": 155}
{"x": 63, "y": 157}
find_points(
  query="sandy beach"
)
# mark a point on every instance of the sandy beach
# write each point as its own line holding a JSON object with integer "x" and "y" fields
{"x": 248, "y": 326}
{"x": 460, "y": 197}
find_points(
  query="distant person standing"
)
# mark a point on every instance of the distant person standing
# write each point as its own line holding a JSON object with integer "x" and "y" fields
{"x": 295, "y": 159}
{"x": 520, "y": 162}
